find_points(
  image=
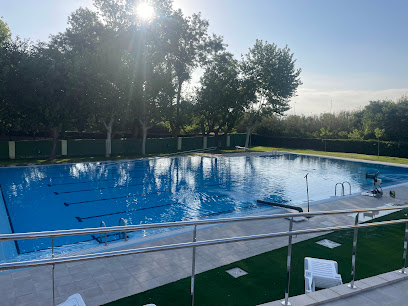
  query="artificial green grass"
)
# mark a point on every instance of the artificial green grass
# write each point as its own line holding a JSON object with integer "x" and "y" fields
{"x": 379, "y": 250}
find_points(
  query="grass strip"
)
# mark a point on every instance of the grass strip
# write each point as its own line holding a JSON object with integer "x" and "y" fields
{"x": 379, "y": 250}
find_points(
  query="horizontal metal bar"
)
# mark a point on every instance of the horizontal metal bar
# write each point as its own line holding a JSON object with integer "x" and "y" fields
{"x": 85, "y": 231}
{"x": 67, "y": 259}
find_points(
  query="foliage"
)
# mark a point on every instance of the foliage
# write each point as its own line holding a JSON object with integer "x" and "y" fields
{"x": 5, "y": 33}
{"x": 274, "y": 78}
{"x": 219, "y": 101}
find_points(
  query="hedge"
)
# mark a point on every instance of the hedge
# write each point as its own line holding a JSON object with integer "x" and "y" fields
{"x": 369, "y": 147}
{"x": 35, "y": 148}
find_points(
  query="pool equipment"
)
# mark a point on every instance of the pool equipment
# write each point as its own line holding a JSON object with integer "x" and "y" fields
{"x": 299, "y": 209}
{"x": 377, "y": 189}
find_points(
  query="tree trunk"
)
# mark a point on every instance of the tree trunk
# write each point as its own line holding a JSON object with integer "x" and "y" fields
{"x": 108, "y": 144}
{"x": 54, "y": 133}
{"x": 145, "y": 129}
{"x": 249, "y": 132}
{"x": 217, "y": 139}
{"x": 176, "y": 131}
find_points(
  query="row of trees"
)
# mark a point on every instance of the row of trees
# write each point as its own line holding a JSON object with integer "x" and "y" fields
{"x": 111, "y": 69}
{"x": 386, "y": 119}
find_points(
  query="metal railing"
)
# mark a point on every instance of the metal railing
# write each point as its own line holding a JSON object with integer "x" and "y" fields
{"x": 194, "y": 244}
{"x": 342, "y": 188}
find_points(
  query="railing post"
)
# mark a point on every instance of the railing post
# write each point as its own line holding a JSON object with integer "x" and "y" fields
{"x": 288, "y": 263}
{"x": 53, "y": 274}
{"x": 353, "y": 257}
{"x": 193, "y": 266}
{"x": 404, "y": 256}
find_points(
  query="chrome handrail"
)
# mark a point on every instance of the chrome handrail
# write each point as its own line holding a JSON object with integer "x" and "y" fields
{"x": 194, "y": 244}
{"x": 102, "y": 224}
{"x": 176, "y": 246}
{"x": 342, "y": 189}
{"x": 346, "y": 182}
{"x": 124, "y": 224}
{"x": 111, "y": 229}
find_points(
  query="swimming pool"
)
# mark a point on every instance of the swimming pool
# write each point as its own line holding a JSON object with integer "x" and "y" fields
{"x": 81, "y": 195}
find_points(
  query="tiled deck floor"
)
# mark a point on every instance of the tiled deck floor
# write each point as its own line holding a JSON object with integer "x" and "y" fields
{"x": 102, "y": 281}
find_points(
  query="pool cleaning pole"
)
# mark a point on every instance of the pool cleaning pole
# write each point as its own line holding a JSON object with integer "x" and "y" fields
{"x": 307, "y": 191}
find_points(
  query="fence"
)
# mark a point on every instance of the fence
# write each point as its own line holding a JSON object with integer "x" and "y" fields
{"x": 194, "y": 244}
{"x": 96, "y": 147}
{"x": 370, "y": 147}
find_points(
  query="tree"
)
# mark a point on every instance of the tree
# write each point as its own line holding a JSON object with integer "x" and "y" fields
{"x": 189, "y": 46}
{"x": 271, "y": 70}
{"x": 13, "y": 57}
{"x": 97, "y": 53}
{"x": 54, "y": 106}
{"x": 5, "y": 33}
{"x": 219, "y": 99}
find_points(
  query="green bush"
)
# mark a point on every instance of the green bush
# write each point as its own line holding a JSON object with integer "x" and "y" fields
{"x": 369, "y": 147}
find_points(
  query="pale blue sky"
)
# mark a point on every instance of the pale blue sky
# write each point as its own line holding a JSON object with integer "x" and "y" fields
{"x": 350, "y": 51}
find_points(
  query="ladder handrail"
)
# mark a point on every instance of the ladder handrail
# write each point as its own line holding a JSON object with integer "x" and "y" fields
{"x": 103, "y": 224}
{"x": 124, "y": 224}
{"x": 347, "y": 183}
{"x": 342, "y": 189}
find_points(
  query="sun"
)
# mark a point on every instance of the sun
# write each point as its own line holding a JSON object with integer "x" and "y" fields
{"x": 145, "y": 11}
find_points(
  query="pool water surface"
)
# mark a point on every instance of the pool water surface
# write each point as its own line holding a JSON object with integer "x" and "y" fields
{"x": 81, "y": 195}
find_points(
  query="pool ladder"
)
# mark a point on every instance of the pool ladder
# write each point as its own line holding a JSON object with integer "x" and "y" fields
{"x": 342, "y": 188}
{"x": 121, "y": 220}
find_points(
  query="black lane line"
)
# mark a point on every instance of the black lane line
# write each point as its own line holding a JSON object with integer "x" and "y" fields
{"x": 80, "y": 219}
{"x": 133, "y": 195}
{"x": 95, "y": 181}
{"x": 84, "y": 190}
{"x": 8, "y": 217}
{"x": 130, "y": 171}
{"x": 121, "y": 186}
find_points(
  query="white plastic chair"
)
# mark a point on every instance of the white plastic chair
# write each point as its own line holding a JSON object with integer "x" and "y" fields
{"x": 321, "y": 273}
{"x": 74, "y": 300}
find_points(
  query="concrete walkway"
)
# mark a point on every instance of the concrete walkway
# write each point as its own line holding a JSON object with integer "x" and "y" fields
{"x": 392, "y": 294}
{"x": 385, "y": 289}
{"x": 102, "y": 281}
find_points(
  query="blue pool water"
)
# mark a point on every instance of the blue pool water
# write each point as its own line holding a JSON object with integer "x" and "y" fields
{"x": 82, "y": 195}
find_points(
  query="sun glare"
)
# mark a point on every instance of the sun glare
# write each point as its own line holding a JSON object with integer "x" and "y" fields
{"x": 145, "y": 11}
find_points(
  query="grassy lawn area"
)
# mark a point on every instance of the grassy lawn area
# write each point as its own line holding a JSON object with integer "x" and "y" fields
{"x": 387, "y": 159}
{"x": 379, "y": 250}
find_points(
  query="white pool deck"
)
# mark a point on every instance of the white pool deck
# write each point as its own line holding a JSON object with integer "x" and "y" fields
{"x": 105, "y": 280}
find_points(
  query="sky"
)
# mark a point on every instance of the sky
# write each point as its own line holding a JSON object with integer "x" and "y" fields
{"x": 350, "y": 52}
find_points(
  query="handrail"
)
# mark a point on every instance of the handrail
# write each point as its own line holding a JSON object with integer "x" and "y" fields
{"x": 342, "y": 189}
{"x": 68, "y": 259}
{"x": 124, "y": 224}
{"x": 103, "y": 224}
{"x": 346, "y": 182}
{"x": 62, "y": 233}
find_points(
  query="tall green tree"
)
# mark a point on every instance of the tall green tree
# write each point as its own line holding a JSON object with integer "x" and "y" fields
{"x": 272, "y": 72}
{"x": 5, "y": 33}
{"x": 219, "y": 98}
{"x": 97, "y": 53}
{"x": 189, "y": 46}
